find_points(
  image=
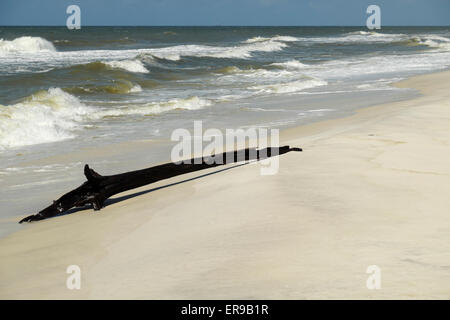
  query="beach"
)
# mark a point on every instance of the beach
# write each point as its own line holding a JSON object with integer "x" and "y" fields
{"x": 368, "y": 189}
{"x": 112, "y": 97}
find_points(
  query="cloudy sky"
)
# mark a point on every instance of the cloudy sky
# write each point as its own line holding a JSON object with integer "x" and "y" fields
{"x": 225, "y": 12}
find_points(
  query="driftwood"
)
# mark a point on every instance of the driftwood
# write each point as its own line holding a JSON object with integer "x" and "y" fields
{"x": 98, "y": 188}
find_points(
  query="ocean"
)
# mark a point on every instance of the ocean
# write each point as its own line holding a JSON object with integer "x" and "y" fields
{"x": 62, "y": 91}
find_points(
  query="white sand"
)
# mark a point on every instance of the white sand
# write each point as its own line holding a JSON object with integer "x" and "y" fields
{"x": 371, "y": 189}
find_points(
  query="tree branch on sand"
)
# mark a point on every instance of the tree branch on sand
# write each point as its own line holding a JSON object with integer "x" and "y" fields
{"x": 98, "y": 188}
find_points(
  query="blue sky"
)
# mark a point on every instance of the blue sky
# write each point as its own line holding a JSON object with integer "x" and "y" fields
{"x": 225, "y": 12}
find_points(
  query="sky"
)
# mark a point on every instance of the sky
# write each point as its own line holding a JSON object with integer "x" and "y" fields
{"x": 225, "y": 12}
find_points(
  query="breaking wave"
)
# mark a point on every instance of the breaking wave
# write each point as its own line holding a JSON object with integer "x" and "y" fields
{"x": 291, "y": 64}
{"x": 243, "y": 51}
{"x": 167, "y": 56}
{"x": 433, "y": 41}
{"x": 54, "y": 115}
{"x": 26, "y": 44}
{"x": 276, "y": 38}
{"x": 128, "y": 65}
{"x": 133, "y": 66}
{"x": 46, "y": 116}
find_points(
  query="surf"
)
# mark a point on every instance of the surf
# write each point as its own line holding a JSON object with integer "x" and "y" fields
{"x": 26, "y": 44}
{"x": 46, "y": 116}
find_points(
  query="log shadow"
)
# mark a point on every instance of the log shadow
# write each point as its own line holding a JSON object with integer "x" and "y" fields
{"x": 136, "y": 194}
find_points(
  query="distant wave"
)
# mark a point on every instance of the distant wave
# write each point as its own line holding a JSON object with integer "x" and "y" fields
{"x": 356, "y": 36}
{"x": 433, "y": 41}
{"x": 34, "y": 53}
{"x": 26, "y": 44}
{"x": 359, "y": 36}
{"x": 242, "y": 51}
{"x": 245, "y": 51}
{"x": 275, "y": 38}
{"x": 370, "y": 33}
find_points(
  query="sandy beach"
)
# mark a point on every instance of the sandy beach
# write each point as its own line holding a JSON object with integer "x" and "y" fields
{"x": 369, "y": 189}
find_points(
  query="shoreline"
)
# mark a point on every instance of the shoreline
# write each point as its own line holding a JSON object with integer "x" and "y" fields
{"x": 62, "y": 166}
{"x": 192, "y": 240}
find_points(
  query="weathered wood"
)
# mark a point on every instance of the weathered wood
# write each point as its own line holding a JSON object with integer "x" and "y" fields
{"x": 98, "y": 188}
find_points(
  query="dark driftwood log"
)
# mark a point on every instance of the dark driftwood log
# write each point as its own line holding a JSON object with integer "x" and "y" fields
{"x": 98, "y": 188}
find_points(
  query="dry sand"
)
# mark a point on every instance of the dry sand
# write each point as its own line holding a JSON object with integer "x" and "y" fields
{"x": 370, "y": 189}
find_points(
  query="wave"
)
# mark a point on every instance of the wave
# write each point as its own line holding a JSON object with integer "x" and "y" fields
{"x": 46, "y": 116}
{"x": 157, "y": 57}
{"x": 291, "y": 64}
{"x": 229, "y": 70}
{"x": 192, "y": 103}
{"x": 118, "y": 87}
{"x": 26, "y": 44}
{"x": 250, "y": 77}
{"x": 289, "y": 87}
{"x": 364, "y": 33}
{"x": 33, "y": 54}
{"x": 128, "y": 65}
{"x": 275, "y": 38}
{"x": 133, "y": 66}
{"x": 54, "y": 115}
{"x": 243, "y": 51}
{"x": 433, "y": 41}
{"x": 360, "y": 36}
{"x": 430, "y": 40}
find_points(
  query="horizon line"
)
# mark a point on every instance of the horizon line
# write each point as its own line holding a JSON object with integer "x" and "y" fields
{"x": 232, "y": 26}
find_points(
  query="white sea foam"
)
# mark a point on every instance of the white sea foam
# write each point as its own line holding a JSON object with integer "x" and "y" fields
{"x": 46, "y": 116}
{"x": 291, "y": 64}
{"x": 26, "y": 44}
{"x": 136, "y": 88}
{"x": 259, "y": 74}
{"x": 434, "y": 41}
{"x": 39, "y": 54}
{"x": 192, "y": 103}
{"x": 364, "y": 33}
{"x": 359, "y": 36}
{"x": 391, "y": 65}
{"x": 171, "y": 57}
{"x": 289, "y": 87}
{"x": 135, "y": 66}
{"x": 244, "y": 51}
{"x": 275, "y": 38}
